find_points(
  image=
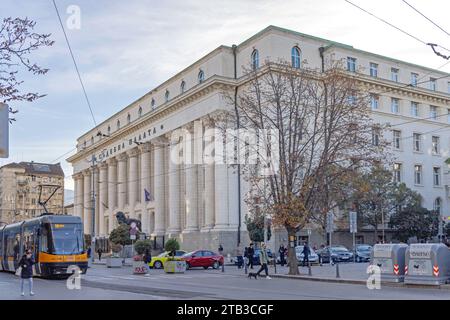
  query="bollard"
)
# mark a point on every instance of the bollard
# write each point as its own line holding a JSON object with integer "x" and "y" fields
{"x": 337, "y": 270}
{"x": 223, "y": 266}
{"x": 275, "y": 264}
{"x": 309, "y": 269}
{"x": 245, "y": 265}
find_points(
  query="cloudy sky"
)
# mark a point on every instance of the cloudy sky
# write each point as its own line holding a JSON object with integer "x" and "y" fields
{"x": 126, "y": 48}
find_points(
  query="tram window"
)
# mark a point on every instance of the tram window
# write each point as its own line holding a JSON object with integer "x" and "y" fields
{"x": 28, "y": 242}
{"x": 44, "y": 239}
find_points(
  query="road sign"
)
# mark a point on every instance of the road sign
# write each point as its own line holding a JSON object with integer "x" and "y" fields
{"x": 353, "y": 221}
{"x": 132, "y": 237}
{"x": 330, "y": 222}
{"x": 4, "y": 130}
{"x": 308, "y": 231}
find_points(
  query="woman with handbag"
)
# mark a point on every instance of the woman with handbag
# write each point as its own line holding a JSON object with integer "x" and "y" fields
{"x": 26, "y": 271}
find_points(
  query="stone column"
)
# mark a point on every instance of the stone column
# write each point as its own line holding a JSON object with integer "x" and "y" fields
{"x": 174, "y": 184}
{"x": 133, "y": 181}
{"x": 87, "y": 206}
{"x": 95, "y": 173}
{"x": 209, "y": 193}
{"x": 121, "y": 181}
{"x": 159, "y": 149}
{"x": 191, "y": 167}
{"x": 103, "y": 197}
{"x": 112, "y": 192}
{"x": 78, "y": 195}
{"x": 221, "y": 199}
{"x": 145, "y": 185}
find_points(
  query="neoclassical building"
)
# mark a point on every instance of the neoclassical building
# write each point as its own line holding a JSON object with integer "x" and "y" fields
{"x": 203, "y": 204}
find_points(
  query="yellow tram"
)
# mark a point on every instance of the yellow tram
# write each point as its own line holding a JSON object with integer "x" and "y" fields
{"x": 56, "y": 241}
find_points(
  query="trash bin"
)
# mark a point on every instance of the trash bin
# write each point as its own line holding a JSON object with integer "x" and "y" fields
{"x": 390, "y": 258}
{"x": 427, "y": 263}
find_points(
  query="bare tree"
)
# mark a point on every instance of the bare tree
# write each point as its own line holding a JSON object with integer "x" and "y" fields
{"x": 323, "y": 133}
{"x": 17, "y": 42}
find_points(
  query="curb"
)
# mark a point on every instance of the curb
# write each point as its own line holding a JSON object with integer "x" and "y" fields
{"x": 363, "y": 282}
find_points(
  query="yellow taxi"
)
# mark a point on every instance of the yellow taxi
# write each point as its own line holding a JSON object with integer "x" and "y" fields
{"x": 158, "y": 261}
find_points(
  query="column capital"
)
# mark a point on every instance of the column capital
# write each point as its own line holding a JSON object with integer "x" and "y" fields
{"x": 87, "y": 172}
{"x": 77, "y": 175}
{"x": 122, "y": 157}
{"x": 111, "y": 161}
{"x": 133, "y": 152}
{"x": 160, "y": 142}
{"x": 144, "y": 148}
{"x": 103, "y": 165}
{"x": 189, "y": 127}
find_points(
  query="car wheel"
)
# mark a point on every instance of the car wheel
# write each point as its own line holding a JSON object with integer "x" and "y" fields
{"x": 205, "y": 267}
{"x": 188, "y": 266}
{"x": 215, "y": 265}
{"x": 158, "y": 265}
{"x": 358, "y": 259}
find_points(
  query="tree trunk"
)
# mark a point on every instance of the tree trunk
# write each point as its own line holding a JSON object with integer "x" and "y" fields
{"x": 293, "y": 264}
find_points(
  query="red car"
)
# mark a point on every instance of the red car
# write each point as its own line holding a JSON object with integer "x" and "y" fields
{"x": 203, "y": 258}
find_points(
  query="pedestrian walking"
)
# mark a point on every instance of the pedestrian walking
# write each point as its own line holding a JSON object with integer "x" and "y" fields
{"x": 239, "y": 257}
{"x": 99, "y": 252}
{"x": 89, "y": 251}
{"x": 26, "y": 272}
{"x": 306, "y": 252}
{"x": 250, "y": 254}
{"x": 147, "y": 259}
{"x": 220, "y": 249}
{"x": 282, "y": 252}
{"x": 264, "y": 260}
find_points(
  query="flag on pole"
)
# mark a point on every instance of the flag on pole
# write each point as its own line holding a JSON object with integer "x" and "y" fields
{"x": 148, "y": 196}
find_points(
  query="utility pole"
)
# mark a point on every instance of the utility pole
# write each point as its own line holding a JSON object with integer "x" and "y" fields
{"x": 93, "y": 160}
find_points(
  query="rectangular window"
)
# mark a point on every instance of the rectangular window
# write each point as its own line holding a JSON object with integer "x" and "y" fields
{"x": 374, "y": 102}
{"x": 373, "y": 69}
{"x": 433, "y": 84}
{"x": 414, "y": 109}
{"x": 436, "y": 176}
{"x": 395, "y": 108}
{"x": 414, "y": 77}
{"x": 351, "y": 64}
{"x": 417, "y": 142}
{"x": 375, "y": 136}
{"x": 394, "y": 74}
{"x": 418, "y": 174}
{"x": 433, "y": 112}
{"x": 397, "y": 138}
{"x": 435, "y": 145}
{"x": 398, "y": 172}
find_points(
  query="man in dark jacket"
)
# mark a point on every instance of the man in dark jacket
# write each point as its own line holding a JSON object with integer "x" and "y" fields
{"x": 147, "y": 260}
{"x": 250, "y": 254}
{"x": 306, "y": 252}
{"x": 26, "y": 264}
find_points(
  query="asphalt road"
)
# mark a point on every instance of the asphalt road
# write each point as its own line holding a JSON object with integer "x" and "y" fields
{"x": 103, "y": 283}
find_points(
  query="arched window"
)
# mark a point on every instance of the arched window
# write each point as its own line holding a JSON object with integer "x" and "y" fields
{"x": 167, "y": 95}
{"x": 109, "y": 130}
{"x": 182, "y": 86}
{"x": 153, "y": 103}
{"x": 128, "y": 118}
{"x": 118, "y": 124}
{"x": 255, "y": 59}
{"x": 437, "y": 205}
{"x": 201, "y": 76}
{"x": 295, "y": 56}
{"x": 140, "y": 112}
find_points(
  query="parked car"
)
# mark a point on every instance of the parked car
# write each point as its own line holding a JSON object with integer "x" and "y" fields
{"x": 158, "y": 261}
{"x": 203, "y": 258}
{"x": 363, "y": 252}
{"x": 313, "y": 257}
{"x": 335, "y": 253}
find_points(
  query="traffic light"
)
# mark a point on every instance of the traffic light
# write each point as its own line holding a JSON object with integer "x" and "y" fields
{"x": 4, "y": 129}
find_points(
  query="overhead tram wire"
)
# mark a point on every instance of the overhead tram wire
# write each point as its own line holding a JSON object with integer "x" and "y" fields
{"x": 412, "y": 7}
{"x": 74, "y": 62}
{"x": 393, "y": 26}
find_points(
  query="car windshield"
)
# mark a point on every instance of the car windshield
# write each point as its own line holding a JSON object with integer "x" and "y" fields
{"x": 299, "y": 249}
{"x": 65, "y": 238}
{"x": 339, "y": 249}
{"x": 188, "y": 254}
{"x": 364, "y": 248}
{"x": 164, "y": 254}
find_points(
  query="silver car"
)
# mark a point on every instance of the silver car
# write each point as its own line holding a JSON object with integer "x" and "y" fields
{"x": 313, "y": 257}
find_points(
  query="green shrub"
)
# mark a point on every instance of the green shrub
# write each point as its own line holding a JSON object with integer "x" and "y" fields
{"x": 121, "y": 235}
{"x": 171, "y": 246}
{"x": 142, "y": 245}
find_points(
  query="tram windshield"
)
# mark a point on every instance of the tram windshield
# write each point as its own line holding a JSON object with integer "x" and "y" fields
{"x": 65, "y": 238}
